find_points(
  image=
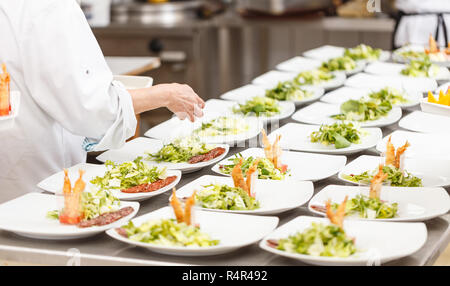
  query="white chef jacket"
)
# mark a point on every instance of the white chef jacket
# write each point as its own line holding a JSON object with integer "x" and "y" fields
{"x": 67, "y": 93}
{"x": 416, "y": 29}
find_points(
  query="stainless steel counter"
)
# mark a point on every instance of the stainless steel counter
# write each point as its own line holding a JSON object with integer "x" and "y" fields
{"x": 103, "y": 250}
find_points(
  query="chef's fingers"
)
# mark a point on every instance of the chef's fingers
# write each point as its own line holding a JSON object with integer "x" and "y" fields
{"x": 197, "y": 111}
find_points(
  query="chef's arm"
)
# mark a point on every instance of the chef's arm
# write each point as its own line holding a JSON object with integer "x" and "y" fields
{"x": 178, "y": 98}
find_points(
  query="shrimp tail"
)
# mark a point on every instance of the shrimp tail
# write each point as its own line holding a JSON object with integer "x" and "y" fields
{"x": 176, "y": 205}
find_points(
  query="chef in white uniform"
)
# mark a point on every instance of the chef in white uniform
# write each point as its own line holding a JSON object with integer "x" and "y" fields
{"x": 69, "y": 101}
{"x": 420, "y": 18}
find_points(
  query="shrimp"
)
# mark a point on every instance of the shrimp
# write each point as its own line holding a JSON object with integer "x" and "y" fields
{"x": 67, "y": 187}
{"x": 79, "y": 184}
{"x": 276, "y": 151}
{"x": 238, "y": 177}
{"x": 337, "y": 217}
{"x": 390, "y": 153}
{"x": 176, "y": 205}
{"x": 432, "y": 44}
{"x": 376, "y": 182}
{"x": 188, "y": 209}
{"x": 273, "y": 151}
{"x": 268, "y": 148}
{"x": 253, "y": 168}
{"x": 399, "y": 153}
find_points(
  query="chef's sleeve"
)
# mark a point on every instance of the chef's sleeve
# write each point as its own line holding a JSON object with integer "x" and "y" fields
{"x": 68, "y": 77}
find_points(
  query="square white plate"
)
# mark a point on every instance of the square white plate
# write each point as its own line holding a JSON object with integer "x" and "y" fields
{"x": 273, "y": 196}
{"x": 54, "y": 183}
{"x": 249, "y": 91}
{"x": 381, "y": 68}
{"x": 433, "y": 172}
{"x": 302, "y": 166}
{"x": 434, "y": 108}
{"x": 298, "y": 64}
{"x": 233, "y": 230}
{"x": 365, "y": 80}
{"x": 423, "y": 145}
{"x": 320, "y": 113}
{"x": 174, "y": 128}
{"x": 296, "y": 136}
{"x": 139, "y": 146}
{"x": 345, "y": 93}
{"x": 327, "y": 52}
{"x": 414, "y": 204}
{"x": 371, "y": 239}
{"x": 26, "y": 216}
{"x": 271, "y": 78}
{"x": 425, "y": 122}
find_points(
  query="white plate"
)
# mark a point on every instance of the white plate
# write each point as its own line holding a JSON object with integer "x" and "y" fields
{"x": 302, "y": 166}
{"x": 414, "y": 204}
{"x": 26, "y": 216}
{"x": 233, "y": 230}
{"x": 398, "y": 58}
{"x": 381, "y": 68}
{"x": 273, "y": 196}
{"x": 371, "y": 239}
{"x": 54, "y": 183}
{"x": 249, "y": 91}
{"x": 298, "y": 64}
{"x": 139, "y": 146}
{"x": 434, "y": 108}
{"x": 272, "y": 78}
{"x": 319, "y": 113}
{"x": 7, "y": 122}
{"x": 345, "y": 93}
{"x": 433, "y": 172}
{"x": 175, "y": 128}
{"x": 327, "y": 52}
{"x": 423, "y": 145}
{"x": 425, "y": 122}
{"x": 296, "y": 136}
{"x": 365, "y": 80}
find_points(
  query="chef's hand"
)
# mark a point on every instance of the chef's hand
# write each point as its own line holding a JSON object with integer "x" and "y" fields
{"x": 178, "y": 98}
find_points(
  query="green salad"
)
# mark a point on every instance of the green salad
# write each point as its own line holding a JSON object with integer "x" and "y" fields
{"x": 223, "y": 197}
{"x": 168, "y": 232}
{"x": 313, "y": 77}
{"x": 129, "y": 174}
{"x": 390, "y": 94}
{"x": 180, "y": 150}
{"x": 344, "y": 63}
{"x": 363, "y": 110}
{"x": 363, "y": 52}
{"x": 222, "y": 126}
{"x": 395, "y": 177}
{"x": 266, "y": 169}
{"x": 420, "y": 68}
{"x": 319, "y": 240}
{"x": 288, "y": 90}
{"x": 260, "y": 106}
{"x": 371, "y": 208}
{"x": 341, "y": 134}
{"x": 93, "y": 203}
{"x": 413, "y": 55}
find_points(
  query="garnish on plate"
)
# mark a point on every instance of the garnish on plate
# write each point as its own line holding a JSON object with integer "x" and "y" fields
{"x": 188, "y": 150}
{"x": 259, "y": 106}
{"x": 181, "y": 232}
{"x": 390, "y": 94}
{"x": 444, "y": 99}
{"x": 363, "y": 110}
{"x": 313, "y": 77}
{"x": 5, "y": 104}
{"x": 396, "y": 175}
{"x": 341, "y": 134}
{"x": 224, "y": 197}
{"x": 343, "y": 63}
{"x": 420, "y": 68}
{"x": 321, "y": 239}
{"x": 222, "y": 126}
{"x": 288, "y": 90}
{"x": 133, "y": 177}
{"x": 371, "y": 206}
{"x": 363, "y": 52}
{"x": 269, "y": 167}
{"x": 86, "y": 209}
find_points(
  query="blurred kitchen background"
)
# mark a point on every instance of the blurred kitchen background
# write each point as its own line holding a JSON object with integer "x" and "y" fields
{"x": 218, "y": 45}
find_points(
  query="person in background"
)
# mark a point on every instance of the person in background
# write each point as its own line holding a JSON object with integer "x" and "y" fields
{"x": 69, "y": 101}
{"x": 418, "y": 19}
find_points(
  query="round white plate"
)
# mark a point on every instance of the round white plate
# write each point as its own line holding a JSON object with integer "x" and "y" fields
{"x": 382, "y": 68}
{"x": 425, "y": 122}
{"x": 365, "y": 80}
{"x": 232, "y": 230}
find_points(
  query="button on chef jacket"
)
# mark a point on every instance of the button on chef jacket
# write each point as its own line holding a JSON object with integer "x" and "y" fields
{"x": 67, "y": 93}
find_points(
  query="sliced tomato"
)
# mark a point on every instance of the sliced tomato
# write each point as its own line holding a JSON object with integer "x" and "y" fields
{"x": 284, "y": 168}
{"x": 65, "y": 219}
